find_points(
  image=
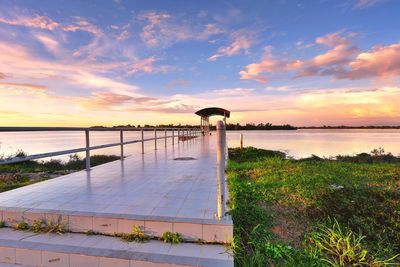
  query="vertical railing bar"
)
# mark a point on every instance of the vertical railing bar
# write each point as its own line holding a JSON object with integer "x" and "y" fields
{"x": 155, "y": 138}
{"x": 221, "y": 157}
{"x": 121, "y": 139}
{"x": 142, "y": 141}
{"x": 173, "y": 137}
{"x": 165, "y": 138}
{"x": 87, "y": 141}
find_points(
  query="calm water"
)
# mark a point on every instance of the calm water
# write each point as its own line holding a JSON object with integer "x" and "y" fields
{"x": 300, "y": 143}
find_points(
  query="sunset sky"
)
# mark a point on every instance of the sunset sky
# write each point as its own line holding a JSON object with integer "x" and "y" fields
{"x": 83, "y": 63}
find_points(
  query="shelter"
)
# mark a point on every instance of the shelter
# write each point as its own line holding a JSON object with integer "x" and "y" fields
{"x": 205, "y": 114}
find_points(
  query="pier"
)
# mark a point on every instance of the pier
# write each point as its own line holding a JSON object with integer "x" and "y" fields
{"x": 171, "y": 188}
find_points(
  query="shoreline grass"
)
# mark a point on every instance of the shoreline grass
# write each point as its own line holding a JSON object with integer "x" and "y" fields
{"x": 29, "y": 172}
{"x": 314, "y": 212}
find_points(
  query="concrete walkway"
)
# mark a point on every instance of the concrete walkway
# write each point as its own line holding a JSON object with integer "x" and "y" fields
{"x": 170, "y": 189}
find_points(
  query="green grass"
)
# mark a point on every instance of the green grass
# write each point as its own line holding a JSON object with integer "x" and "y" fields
{"x": 283, "y": 209}
{"x": 25, "y": 173}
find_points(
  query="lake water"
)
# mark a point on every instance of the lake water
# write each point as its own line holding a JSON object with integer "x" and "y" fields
{"x": 298, "y": 144}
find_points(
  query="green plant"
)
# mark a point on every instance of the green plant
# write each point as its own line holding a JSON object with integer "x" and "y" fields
{"x": 89, "y": 232}
{"x": 173, "y": 238}
{"x": 137, "y": 235}
{"x": 55, "y": 226}
{"x": 38, "y": 225}
{"x": 342, "y": 247}
{"x": 22, "y": 226}
{"x": 2, "y": 224}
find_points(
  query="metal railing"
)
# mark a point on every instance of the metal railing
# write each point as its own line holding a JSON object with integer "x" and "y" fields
{"x": 183, "y": 134}
{"x": 222, "y": 156}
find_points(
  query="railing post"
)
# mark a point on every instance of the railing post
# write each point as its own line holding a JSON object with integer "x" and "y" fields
{"x": 173, "y": 136}
{"x": 142, "y": 141}
{"x": 241, "y": 141}
{"x": 221, "y": 150}
{"x": 155, "y": 138}
{"x": 121, "y": 139}
{"x": 165, "y": 137}
{"x": 87, "y": 150}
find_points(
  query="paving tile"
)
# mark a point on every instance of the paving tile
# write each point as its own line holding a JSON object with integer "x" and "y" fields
{"x": 189, "y": 231}
{"x": 77, "y": 223}
{"x": 112, "y": 262}
{"x": 54, "y": 259}
{"x": 28, "y": 257}
{"x": 126, "y": 226}
{"x": 76, "y": 260}
{"x": 217, "y": 233}
{"x": 157, "y": 228}
{"x": 7, "y": 255}
{"x": 105, "y": 225}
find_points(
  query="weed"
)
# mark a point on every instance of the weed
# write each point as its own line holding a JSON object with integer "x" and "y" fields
{"x": 2, "y": 224}
{"x": 276, "y": 203}
{"x": 55, "y": 226}
{"x": 137, "y": 235}
{"x": 38, "y": 225}
{"x": 342, "y": 247}
{"x": 89, "y": 232}
{"x": 173, "y": 238}
{"x": 22, "y": 226}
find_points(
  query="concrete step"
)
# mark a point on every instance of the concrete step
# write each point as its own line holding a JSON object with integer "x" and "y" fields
{"x": 30, "y": 249}
{"x": 192, "y": 229}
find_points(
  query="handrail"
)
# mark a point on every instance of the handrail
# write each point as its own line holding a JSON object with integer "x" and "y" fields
{"x": 67, "y": 129}
{"x": 183, "y": 133}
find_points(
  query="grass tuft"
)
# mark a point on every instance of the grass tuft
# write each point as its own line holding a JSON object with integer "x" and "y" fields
{"x": 173, "y": 238}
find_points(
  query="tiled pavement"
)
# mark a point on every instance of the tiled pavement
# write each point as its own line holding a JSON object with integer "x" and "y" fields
{"x": 80, "y": 250}
{"x": 154, "y": 191}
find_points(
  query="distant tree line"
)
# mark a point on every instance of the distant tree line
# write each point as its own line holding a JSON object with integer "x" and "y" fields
{"x": 229, "y": 126}
{"x": 260, "y": 126}
{"x": 349, "y": 127}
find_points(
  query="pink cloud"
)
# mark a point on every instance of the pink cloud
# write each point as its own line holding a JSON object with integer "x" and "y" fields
{"x": 162, "y": 29}
{"x": 360, "y": 4}
{"x": 81, "y": 24}
{"x": 145, "y": 65}
{"x": 239, "y": 44}
{"x": 381, "y": 62}
{"x": 178, "y": 83}
{"x": 342, "y": 61}
{"x": 259, "y": 71}
{"x": 37, "y": 21}
{"x": 2, "y": 76}
{"x": 45, "y": 23}
{"x": 51, "y": 44}
{"x": 24, "y": 86}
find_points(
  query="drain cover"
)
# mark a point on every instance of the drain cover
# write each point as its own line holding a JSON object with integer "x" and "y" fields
{"x": 185, "y": 158}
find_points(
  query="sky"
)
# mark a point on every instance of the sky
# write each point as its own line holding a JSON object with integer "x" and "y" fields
{"x": 118, "y": 62}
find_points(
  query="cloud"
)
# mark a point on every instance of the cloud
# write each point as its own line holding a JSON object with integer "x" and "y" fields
{"x": 343, "y": 60}
{"x": 19, "y": 61}
{"x": 257, "y": 71}
{"x": 381, "y": 62}
{"x": 241, "y": 42}
{"x": 361, "y": 4}
{"x": 178, "y": 83}
{"x": 105, "y": 100}
{"x": 2, "y": 76}
{"x": 51, "y": 44}
{"x": 81, "y": 24}
{"x": 45, "y": 23}
{"x": 162, "y": 29}
{"x": 25, "y": 86}
{"x": 233, "y": 92}
{"x": 40, "y": 22}
{"x": 145, "y": 65}
{"x": 123, "y": 35}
